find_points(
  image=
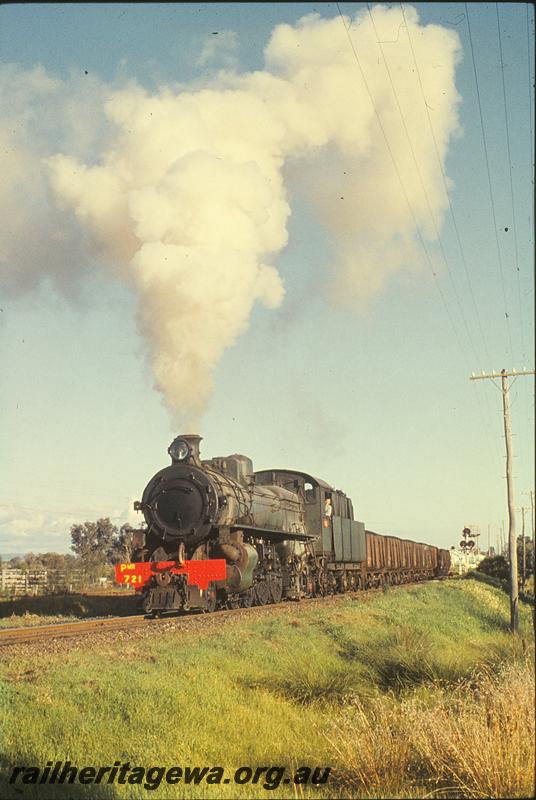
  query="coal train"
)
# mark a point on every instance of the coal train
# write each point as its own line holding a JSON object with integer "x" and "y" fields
{"x": 220, "y": 535}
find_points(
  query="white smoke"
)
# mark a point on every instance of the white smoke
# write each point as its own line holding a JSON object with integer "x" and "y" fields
{"x": 186, "y": 199}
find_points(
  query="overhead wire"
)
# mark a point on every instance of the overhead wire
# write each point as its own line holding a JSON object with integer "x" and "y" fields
{"x": 423, "y": 187}
{"x": 514, "y": 223}
{"x": 530, "y": 86}
{"x": 531, "y": 142}
{"x": 402, "y": 186}
{"x": 476, "y": 394}
{"x": 492, "y": 201}
{"x": 512, "y": 199}
{"x": 445, "y": 187}
{"x": 411, "y": 211}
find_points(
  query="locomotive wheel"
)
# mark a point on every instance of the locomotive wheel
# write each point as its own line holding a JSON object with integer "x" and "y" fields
{"x": 332, "y": 583}
{"x": 147, "y": 605}
{"x": 262, "y": 593}
{"x": 322, "y": 583}
{"x": 247, "y": 598}
{"x": 212, "y": 599}
{"x": 276, "y": 589}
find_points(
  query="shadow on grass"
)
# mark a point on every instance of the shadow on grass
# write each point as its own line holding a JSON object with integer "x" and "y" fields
{"x": 305, "y": 681}
{"x": 497, "y": 583}
{"x": 76, "y": 605}
{"x": 406, "y": 657}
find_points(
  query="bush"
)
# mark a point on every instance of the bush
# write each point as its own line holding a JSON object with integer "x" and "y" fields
{"x": 495, "y": 567}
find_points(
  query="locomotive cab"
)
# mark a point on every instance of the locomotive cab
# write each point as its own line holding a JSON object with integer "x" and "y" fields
{"x": 337, "y": 535}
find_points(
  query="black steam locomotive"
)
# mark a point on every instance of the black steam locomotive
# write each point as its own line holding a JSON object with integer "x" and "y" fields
{"x": 221, "y": 535}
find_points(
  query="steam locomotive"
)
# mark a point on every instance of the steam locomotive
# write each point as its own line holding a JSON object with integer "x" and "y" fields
{"x": 219, "y": 534}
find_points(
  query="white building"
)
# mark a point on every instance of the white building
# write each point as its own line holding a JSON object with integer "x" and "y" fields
{"x": 462, "y": 562}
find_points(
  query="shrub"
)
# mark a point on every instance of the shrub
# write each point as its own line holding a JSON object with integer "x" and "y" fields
{"x": 496, "y": 567}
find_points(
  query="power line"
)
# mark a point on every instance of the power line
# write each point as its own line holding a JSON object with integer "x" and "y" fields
{"x": 454, "y": 223}
{"x": 514, "y": 223}
{"x": 494, "y": 215}
{"x": 419, "y": 173}
{"x": 397, "y": 172}
{"x": 531, "y": 161}
{"x": 530, "y": 99}
{"x": 445, "y": 186}
{"x": 406, "y": 198}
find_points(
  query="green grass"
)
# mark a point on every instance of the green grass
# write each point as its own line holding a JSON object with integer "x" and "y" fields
{"x": 284, "y": 690}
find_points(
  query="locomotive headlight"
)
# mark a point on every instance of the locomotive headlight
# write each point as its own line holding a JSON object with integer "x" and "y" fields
{"x": 179, "y": 450}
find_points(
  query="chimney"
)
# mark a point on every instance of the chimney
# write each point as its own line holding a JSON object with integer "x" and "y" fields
{"x": 193, "y": 441}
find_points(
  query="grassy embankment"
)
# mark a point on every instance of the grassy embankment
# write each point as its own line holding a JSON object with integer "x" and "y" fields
{"x": 413, "y": 693}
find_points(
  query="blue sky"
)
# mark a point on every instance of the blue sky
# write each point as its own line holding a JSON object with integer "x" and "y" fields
{"x": 371, "y": 394}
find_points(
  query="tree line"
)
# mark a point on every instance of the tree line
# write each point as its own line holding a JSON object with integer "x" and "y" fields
{"x": 94, "y": 544}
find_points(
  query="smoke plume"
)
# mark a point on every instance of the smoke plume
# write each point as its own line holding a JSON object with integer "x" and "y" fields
{"x": 182, "y": 192}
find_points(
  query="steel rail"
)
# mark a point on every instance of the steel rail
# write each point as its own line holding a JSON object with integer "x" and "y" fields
{"x": 55, "y": 630}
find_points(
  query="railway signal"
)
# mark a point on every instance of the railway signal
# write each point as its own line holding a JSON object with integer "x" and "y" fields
{"x": 467, "y": 545}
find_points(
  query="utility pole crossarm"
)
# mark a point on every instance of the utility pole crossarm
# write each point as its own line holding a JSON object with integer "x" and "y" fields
{"x": 503, "y": 374}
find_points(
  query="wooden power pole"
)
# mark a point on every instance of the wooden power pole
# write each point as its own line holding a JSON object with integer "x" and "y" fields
{"x": 531, "y": 495}
{"x": 512, "y": 542}
{"x": 523, "y": 550}
{"x": 523, "y": 565}
{"x": 533, "y": 543}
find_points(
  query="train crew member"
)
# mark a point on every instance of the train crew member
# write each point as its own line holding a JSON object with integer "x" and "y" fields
{"x": 328, "y": 512}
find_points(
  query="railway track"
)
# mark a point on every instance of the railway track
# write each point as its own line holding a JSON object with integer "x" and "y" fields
{"x": 39, "y": 633}
{"x": 61, "y": 630}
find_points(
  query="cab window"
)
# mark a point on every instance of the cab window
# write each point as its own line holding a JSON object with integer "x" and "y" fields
{"x": 310, "y": 493}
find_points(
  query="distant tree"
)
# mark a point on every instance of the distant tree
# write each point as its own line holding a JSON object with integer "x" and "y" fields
{"x": 53, "y": 560}
{"x": 17, "y": 562}
{"x": 123, "y": 546}
{"x": 71, "y": 562}
{"x": 93, "y": 541}
{"x": 32, "y": 561}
